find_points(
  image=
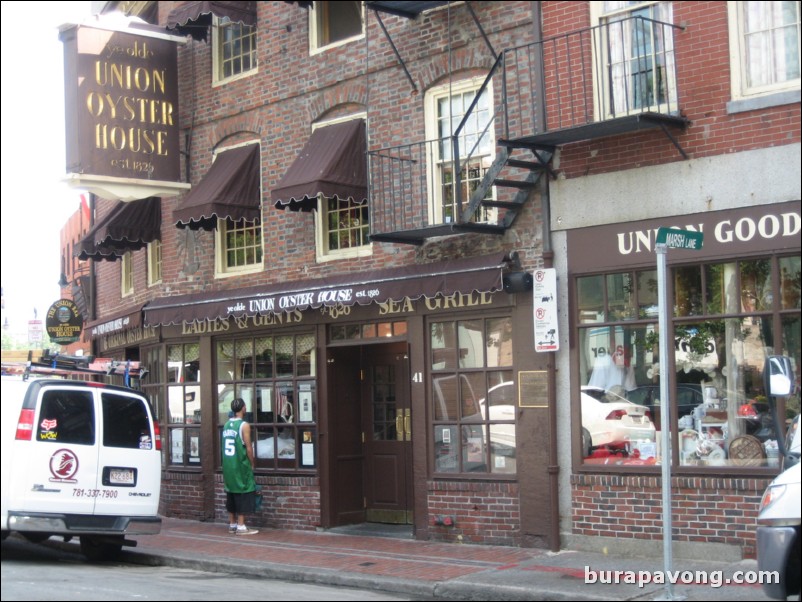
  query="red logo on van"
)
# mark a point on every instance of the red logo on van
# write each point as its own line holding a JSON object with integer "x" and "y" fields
{"x": 63, "y": 466}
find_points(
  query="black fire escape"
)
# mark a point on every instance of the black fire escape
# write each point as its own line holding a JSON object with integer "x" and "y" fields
{"x": 602, "y": 81}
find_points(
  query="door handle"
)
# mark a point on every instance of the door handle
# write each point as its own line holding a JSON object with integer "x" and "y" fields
{"x": 408, "y": 425}
{"x": 399, "y": 425}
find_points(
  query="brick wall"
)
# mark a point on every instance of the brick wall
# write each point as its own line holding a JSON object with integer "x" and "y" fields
{"x": 182, "y": 495}
{"x": 474, "y": 512}
{"x": 288, "y": 502}
{"x": 705, "y": 509}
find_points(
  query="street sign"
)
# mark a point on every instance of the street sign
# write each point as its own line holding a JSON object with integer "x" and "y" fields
{"x": 544, "y": 290}
{"x": 679, "y": 239}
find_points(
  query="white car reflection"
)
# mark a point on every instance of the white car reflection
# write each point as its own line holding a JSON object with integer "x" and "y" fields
{"x": 610, "y": 420}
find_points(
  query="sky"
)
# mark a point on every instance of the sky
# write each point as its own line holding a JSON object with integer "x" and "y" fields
{"x": 35, "y": 203}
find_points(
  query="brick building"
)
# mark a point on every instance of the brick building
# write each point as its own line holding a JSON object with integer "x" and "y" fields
{"x": 374, "y": 186}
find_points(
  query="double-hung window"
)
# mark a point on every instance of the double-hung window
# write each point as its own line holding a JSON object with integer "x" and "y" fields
{"x": 335, "y": 23}
{"x": 234, "y": 49}
{"x": 127, "y": 274}
{"x": 764, "y": 46}
{"x": 154, "y": 262}
{"x": 446, "y": 106}
{"x": 636, "y": 66}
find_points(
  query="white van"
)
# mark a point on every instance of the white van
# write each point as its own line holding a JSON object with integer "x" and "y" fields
{"x": 779, "y": 532}
{"x": 79, "y": 459}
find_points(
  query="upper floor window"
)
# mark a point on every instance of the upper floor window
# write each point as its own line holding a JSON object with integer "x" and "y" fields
{"x": 239, "y": 246}
{"x": 446, "y": 106}
{"x": 127, "y": 274}
{"x": 335, "y": 23}
{"x": 764, "y": 43}
{"x": 154, "y": 262}
{"x": 234, "y": 49}
{"x": 638, "y": 72}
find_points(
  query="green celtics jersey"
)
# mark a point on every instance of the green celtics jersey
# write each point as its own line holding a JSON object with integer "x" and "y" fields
{"x": 237, "y": 471}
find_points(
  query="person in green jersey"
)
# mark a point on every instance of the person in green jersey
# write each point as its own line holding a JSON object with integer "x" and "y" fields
{"x": 238, "y": 462}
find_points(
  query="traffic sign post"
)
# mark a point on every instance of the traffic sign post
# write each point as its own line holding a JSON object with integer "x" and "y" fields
{"x": 668, "y": 238}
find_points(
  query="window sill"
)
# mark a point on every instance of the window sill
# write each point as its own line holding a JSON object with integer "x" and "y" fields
{"x": 777, "y": 99}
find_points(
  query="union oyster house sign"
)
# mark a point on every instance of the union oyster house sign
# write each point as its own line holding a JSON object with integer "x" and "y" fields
{"x": 121, "y": 109}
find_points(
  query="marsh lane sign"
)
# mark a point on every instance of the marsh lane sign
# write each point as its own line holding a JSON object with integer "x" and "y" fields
{"x": 679, "y": 239}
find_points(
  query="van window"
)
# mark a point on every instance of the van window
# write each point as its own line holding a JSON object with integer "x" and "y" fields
{"x": 67, "y": 417}
{"x": 125, "y": 422}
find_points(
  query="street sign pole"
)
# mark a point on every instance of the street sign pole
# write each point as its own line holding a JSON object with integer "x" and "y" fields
{"x": 665, "y": 437}
{"x": 678, "y": 239}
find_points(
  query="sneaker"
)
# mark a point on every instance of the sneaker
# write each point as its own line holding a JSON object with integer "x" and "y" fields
{"x": 247, "y": 531}
{"x": 232, "y": 529}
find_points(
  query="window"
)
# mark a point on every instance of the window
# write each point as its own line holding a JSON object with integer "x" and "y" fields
{"x": 639, "y": 66}
{"x": 474, "y": 396}
{"x": 239, "y": 246}
{"x": 275, "y": 376}
{"x": 183, "y": 404}
{"x": 335, "y": 23}
{"x": 154, "y": 262}
{"x": 127, "y": 274}
{"x": 234, "y": 49}
{"x": 125, "y": 422}
{"x": 727, "y": 317}
{"x": 764, "y": 43}
{"x": 67, "y": 417}
{"x": 446, "y": 106}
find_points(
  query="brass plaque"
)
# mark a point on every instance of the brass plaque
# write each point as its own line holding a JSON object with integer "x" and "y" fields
{"x": 533, "y": 389}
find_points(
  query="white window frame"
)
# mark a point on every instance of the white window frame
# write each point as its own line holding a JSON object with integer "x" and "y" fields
{"x": 154, "y": 262}
{"x": 738, "y": 60}
{"x": 126, "y": 274}
{"x": 433, "y": 95}
{"x": 221, "y": 270}
{"x": 322, "y": 251}
{"x": 606, "y": 108}
{"x": 218, "y": 26}
{"x": 315, "y": 44}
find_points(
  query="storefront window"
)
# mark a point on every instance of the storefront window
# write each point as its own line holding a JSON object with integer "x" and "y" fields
{"x": 183, "y": 404}
{"x": 474, "y": 396}
{"x": 725, "y": 317}
{"x": 275, "y": 377}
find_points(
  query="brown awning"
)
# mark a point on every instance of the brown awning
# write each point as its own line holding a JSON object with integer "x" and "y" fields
{"x": 115, "y": 323}
{"x": 332, "y": 163}
{"x": 128, "y": 227}
{"x": 229, "y": 190}
{"x": 475, "y": 274}
{"x": 195, "y": 18}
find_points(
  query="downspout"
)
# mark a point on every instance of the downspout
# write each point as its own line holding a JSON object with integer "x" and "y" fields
{"x": 548, "y": 262}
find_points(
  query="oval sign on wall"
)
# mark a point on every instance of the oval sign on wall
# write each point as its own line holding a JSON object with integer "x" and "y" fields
{"x": 64, "y": 322}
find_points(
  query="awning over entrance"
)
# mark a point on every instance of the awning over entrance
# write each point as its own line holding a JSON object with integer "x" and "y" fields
{"x": 332, "y": 163}
{"x": 229, "y": 190}
{"x": 195, "y": 18}
{"x": 471, "y": 275}
{"x": 128, "y": 227}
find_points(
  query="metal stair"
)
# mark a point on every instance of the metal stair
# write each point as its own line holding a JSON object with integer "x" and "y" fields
{"x": 519, "y": 175}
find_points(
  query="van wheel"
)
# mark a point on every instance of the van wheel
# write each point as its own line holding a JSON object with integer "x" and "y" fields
{"x": 586, "y": 443}
{"x": 97, "y": 549}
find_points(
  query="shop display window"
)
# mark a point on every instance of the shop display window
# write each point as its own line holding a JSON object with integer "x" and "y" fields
{"x": 726, "y": 318}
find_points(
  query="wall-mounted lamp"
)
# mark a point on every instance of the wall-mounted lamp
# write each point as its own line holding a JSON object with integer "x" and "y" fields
{"x": 63, "y": 280}
{"x": 517, "y": 282}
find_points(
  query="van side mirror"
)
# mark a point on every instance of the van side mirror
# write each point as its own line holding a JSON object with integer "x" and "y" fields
{"x": 778, "y": 376}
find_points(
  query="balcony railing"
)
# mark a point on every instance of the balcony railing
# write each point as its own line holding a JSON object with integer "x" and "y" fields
{"x": 601, "y": 81}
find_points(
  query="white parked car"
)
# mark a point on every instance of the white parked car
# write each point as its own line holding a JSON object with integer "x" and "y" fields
{"x": 610, "y": 420}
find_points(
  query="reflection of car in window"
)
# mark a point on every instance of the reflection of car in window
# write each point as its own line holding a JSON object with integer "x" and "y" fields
{"x": 687, "y": 397}
{"x": 610, "y": 420}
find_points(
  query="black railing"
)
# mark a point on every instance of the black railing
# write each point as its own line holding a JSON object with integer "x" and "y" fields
{"x": 617, "y": 69}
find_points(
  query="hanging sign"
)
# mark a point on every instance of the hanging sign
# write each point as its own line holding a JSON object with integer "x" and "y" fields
{"x": 64, "y": 322}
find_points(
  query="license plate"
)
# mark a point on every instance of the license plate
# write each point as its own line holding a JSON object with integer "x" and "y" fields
{"x": 121, "y": 476}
